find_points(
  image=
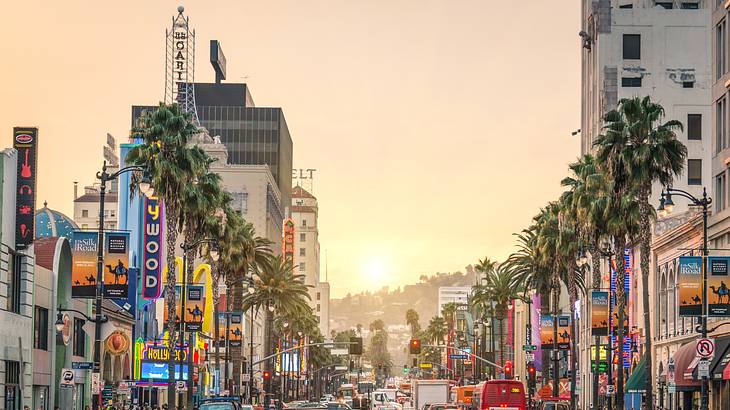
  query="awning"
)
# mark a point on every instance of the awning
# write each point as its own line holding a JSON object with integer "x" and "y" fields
{"x": 684, "y": 364}
{"x": 637, "y": 381}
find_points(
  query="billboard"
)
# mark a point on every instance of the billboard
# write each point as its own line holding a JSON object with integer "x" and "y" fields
{"x": 83, "y": 270}
{"x": 25, "y": 141}
{"x": 222, "y": 328}
{"x": 718, "y": 292}
{"x": 116, "y": 265}
{"x": 547, "y": 332}
{"x": 194, "y": 308}
{"x": 152, "y": 254}
{"x": 690, "y": 285}
{"x": 235, "y": 329}
{"x": 599, "y": 313}
{"x": 155, "y": 361}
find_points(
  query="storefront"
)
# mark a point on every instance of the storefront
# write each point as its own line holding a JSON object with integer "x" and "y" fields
{"x": 720, "y": 374}
{"x": 686, "y": 387}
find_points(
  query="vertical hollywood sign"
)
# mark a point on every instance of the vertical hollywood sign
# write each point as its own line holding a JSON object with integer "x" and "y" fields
{"x": 151, "y": 273}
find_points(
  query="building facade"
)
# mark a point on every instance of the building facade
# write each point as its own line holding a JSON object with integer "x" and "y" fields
{"x": 453, "y": 294}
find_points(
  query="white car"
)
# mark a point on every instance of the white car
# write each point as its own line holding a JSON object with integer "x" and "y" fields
{"x": 385, "y": 398}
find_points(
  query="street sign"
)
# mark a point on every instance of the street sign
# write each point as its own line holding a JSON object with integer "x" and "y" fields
{"x": 181, "y": 386}
{"x": 703, "y": 368}
{"x": 82, "y": 365}
{"x": 529, "y": 347}
{"x": 340, "y": 367}
{"x": 67, "y": 378}
{"x": 95, "y": 383}
{"x": 705, "y": 348}
{"x": 123, "y": 387}
{"x": 426, "y": 365}
{"x": 245, "y": 377}
{"x": 609, "y": 390}
{"x": 339, "y": 352}
{"x": 458, "y": 356}
{"x": 529, "y": 357}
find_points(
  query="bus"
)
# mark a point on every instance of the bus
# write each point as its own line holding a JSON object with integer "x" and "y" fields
{"x": 499, "y": 395}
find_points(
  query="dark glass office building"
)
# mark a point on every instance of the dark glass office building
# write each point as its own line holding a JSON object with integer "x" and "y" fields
{"x": 253, "y": 135}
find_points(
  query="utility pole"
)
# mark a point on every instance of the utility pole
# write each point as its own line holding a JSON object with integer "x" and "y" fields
{"x": 556, "y": 359}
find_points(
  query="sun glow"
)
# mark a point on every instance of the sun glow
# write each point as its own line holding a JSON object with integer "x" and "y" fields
{"x": 375, "y": 269}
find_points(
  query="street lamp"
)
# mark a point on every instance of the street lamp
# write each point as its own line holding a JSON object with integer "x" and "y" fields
{"x": 666, "y": 206}
{"x": 60, "y": 324}
{"x": 145, "y": 188}
{"x": 214, "y": 255}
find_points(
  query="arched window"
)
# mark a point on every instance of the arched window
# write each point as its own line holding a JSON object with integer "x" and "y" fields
{"x": 663, "y": 304}
{"x": 672, "y": 304}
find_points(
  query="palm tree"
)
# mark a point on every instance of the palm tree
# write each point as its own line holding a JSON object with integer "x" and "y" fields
{"x": 485, "y": 267}
{"x": 436, "y": 330}
{"x": 412, "y": 321}
{"x": 655, "y": 155}
{"x": 172, "y": 165}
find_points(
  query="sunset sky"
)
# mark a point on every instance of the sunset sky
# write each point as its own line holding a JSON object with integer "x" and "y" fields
{"x": 438, "y": 128}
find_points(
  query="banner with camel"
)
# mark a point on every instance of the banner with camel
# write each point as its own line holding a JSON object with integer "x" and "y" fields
{"x": 547, "y": 332}
{"x": 222, "y": 328}
{"x": 194, "y": 308}
{"x": 83, "y": 271}
{"x": 690, "y": 285}
{"x": 599, "y": 313}
{"x": 116, "y": 265}
{"x": 718, "y": 292}
{"x": 235, "y": 329}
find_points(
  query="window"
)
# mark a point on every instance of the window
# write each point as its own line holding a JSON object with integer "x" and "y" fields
{"x": 720, "y": 192}
{"x": 666, "y": 4}
{"x": 14, "y": 283}
{"x": 84, "y": 213}
{"x": 40, "y": 328}
{"x": 631, "y": 82}
{"x": 13, "y": 397}
{"x": 694, "y": 171}
{"x": 694, "y": 126}
{"x": 302, "y": 251}
{"x": 688, "y": 84}
{"x": 304, "y": 223}
{"x": 632, "y": 46}
{"x": 626, "y": 6}
{"x": 318, "y": 295}
{"x": 112, "y": 213}
{"x": 721, "y": 120}
{"x": 689, "y": 5}
{"x": 318, "y": 308}
{"x": 302, "y": 237}
{"x": 720, "y": 52}
{"x": 79, "y": 341}
{"x": 302, "y": 267}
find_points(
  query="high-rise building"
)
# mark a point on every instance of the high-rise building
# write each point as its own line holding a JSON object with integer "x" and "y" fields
{"x": 253, "y": 135}
{"x": 305, "y": 214}
{"x": 453, "y": 294}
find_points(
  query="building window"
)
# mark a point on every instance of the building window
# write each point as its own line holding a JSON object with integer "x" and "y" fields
{"x": 79, "y": 339}
{"x": 631, "y": 82}
{"x": 688, "y": 84}
{"x": 318, "y": 295}
{"x": 694, "y": 171}
{"x": 689, "y": 5}
{"x": 720, "y": 114}
{"x": 40, "y": 328}
{"x": 666, "y": 4}
{"x": 319, "y": 309}
{"x": 626, "y": 6}
{"x": 632, "y": 46}
{"x": 304, "y": 223}
{"x": 302, "y": 251}
{"x": 694, "y": 126}
{"x": 302, "y": 237}
{"x": 720, "y": 192}
{"x": 84, "y": 213}
{"x": 720, "y": 52}
{"x": 14, "y": 278}
{"x": 12, "y": 393}
{"x": 302, "y": 267}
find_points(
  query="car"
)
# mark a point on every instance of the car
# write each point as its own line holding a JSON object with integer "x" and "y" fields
{"x": 554, "y": 405}
{"x": 443, "y": 406}
{"x": 327, "y": 398}
{"x": 222, "y": 403}
{"x": 335, "y": 405}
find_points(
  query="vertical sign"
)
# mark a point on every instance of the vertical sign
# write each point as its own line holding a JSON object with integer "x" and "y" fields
{"x": 287, "y": 246}
{"x": 194, "y": 308}
{"x": 180, "y": 64}
{"x": 564, "y": 332}
{"x": 83, "y": 271}
{"x": 599, "y": 313}
{"x": 152, "y": 266}
{"x": 718, "y": 292}
{"x": 235, "y": 329}
{"x": 690, "y": 285}
{"x": 116, "y": 265}
{"x": 546, "y": 331}
{"x": 25, "y": 140}
{"x": 222, "y": 328}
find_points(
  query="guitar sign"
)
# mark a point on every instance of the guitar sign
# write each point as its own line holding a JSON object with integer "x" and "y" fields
{"x": 25, "y": 141}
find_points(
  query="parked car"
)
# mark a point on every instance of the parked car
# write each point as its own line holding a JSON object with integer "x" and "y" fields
{"x": 554, "y": 405}
{"x": 221, "y": 403}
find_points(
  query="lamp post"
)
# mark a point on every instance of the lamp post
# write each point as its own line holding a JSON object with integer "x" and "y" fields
{"x": 215, "y": 255}
{"x": 555, "y": 355}
{"x": 251, "y": 291}
{"x": 666, "y": 206}
{"x": 608, "y": 253}
{"x": 147, "y": 190}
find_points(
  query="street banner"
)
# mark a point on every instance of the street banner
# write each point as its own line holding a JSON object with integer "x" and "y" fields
{"x": 718, "y": 292}
{"x": 194, "y": 308}
{"x": 152, "y": 260}
{"x": 546, "y": 331}
{"x": 564, "y": 332}
{"x": 599, "y": 313}
{"x": 178, "y": 306}
{"x": 690, "y": 285}
{"x": 222, "y": 328}
{"x": 83, "y": 270}
{"x": 25, "y": 141}
{"x": 235, "y": 329}
{"x": 116, "y": 265}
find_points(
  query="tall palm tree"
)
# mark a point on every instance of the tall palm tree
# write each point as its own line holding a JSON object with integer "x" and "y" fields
{"x": 172, "y": 164}
{"x": 412, "y": 321}
{"x": 436, "y": 330}
{"x": 485, "y": 267}
{"x": 655, "y": 155}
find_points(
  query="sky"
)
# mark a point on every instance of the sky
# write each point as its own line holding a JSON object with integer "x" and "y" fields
{"x": 437, "y": 128}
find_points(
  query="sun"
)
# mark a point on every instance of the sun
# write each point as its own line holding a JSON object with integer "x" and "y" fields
{"x": 375, "y": 269}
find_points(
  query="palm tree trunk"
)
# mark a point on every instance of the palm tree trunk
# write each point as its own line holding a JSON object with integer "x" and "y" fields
{"x": 620, "y": 242}
{"x": 170, "y": 299}
{"x": 573, "y": 346}
{"x": 644, "y": 216}
{"x": 268, "y": 331}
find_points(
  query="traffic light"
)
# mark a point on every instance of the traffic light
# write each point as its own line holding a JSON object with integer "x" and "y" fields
{"x": 531, "y": 374}
{"x": 267, "y": 380}
{"x": 355, "y": 347}
{"x": 508, "y": 369}
{"x": 415, "y": 346}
